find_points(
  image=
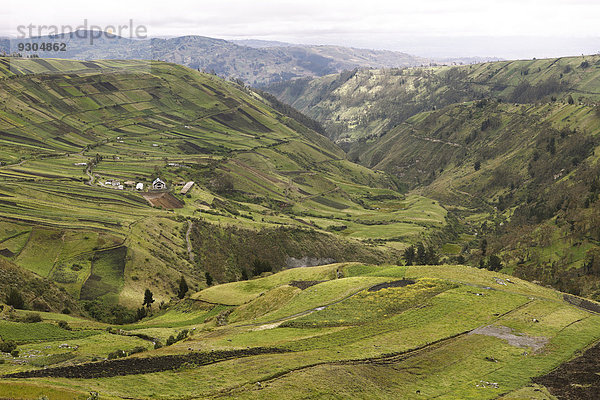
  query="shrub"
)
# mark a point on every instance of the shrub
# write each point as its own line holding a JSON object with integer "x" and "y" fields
{"x": 32, "y": 318}
{"x": 157, "y": 345}
{"x": 183, "y": 288}
{"x": 171, "y": 340}
{"x": 7, "y": 347}
{"x": 260, "y": 266}
{"x": 15, "y": 299}
{"x": 14, "y": 353}
{"x": 66, "y": 310}
{"x": 64, "y": 325}
{"x": 182, "y": 335}
{"x": 138, "y": 349}
{"x": 117, "y": 354}
{"x": 141, "y": 313}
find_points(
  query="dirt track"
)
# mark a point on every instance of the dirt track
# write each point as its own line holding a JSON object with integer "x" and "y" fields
{"x": 146, "y": 365}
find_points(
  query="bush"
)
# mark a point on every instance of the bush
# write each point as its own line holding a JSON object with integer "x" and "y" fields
{"x": 171, "y": 340}
{"x": 157, "y": 345}
{"x": 182, "y": 335}
{"x": 64, "y": 325}
{"x": 117, "y": 354}
{"x": 32, "y": 318}
{"x": 14, "y": 353}
{"x": 66, "y": 311}
{"x": 15, "y": 299}
{"x": 138, "y": 349}
{"x": 7, "y": 347}
{"x": 260, "y": 266}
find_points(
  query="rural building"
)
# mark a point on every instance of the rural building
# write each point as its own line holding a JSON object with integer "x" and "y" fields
{"x": 139, "y": 186}
{"x": 186, "y": 188}
{"x": 158, "y": 184}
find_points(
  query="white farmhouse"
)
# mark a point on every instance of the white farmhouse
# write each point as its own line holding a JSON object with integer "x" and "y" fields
{"x": 158, "y": 184}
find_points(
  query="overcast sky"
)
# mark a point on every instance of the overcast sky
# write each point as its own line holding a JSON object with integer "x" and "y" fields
{"x": 508, "y": 28}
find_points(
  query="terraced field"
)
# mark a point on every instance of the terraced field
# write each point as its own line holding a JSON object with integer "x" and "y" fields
{"x": 441, "y": 331}
{"x": 69, "y": 129}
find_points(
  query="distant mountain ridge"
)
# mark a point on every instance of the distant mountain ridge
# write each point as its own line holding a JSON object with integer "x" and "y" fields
{"x": 257, "y": 63}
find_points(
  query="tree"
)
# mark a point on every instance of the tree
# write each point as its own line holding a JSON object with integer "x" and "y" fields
{"x": 483, "y": 246}
{"x": 494, "y": 263}
{"x": 477, "y": 165}
{"x": 148, "y": 298}
{"x": 409, "y": 255}
{"x": 15, "y": 299}
{"x": 209, "y": 279}
{"x": 141, "y": 313}
{"x": 183, "y": 288}
{"x": 421, "y": 254}
{"x": 570, "y": 100}
{"x": 244, "y": 275}
{"x": 260, "y": 266}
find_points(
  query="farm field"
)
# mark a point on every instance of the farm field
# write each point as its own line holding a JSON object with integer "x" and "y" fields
{"x": 78, "y": 136}
{"x": 342, "y": 330}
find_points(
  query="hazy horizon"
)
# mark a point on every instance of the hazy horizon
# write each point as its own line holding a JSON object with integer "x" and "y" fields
{"x": 432, "y": 28}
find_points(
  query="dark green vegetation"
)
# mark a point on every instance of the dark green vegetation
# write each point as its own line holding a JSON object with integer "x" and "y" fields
{"x": 256, "y": 66}
{"x": 355, "y": 331}
{"x": 509, "y": 148}
{"x": 267, "y": 188}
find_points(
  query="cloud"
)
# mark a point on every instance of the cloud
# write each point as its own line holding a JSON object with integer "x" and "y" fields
{"x": 374, "y": 23}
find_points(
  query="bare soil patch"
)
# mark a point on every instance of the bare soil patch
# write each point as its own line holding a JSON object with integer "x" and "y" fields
{"x": 146, "y": 365}
{"x": 385, "y": 285}
{"x": 163, "y": 199}
{"x": 575, "y": 379}
{"x": 514, "y": 339}
{"x": 303, "y": 285}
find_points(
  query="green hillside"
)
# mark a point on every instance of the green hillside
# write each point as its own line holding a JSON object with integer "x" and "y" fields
{"x": 509, "y": 148}
{"x": 368, "y": 103}
{"x": 522, "y": 177}
{"x": 267, "y": 189}
{"x": 336, "y": 331}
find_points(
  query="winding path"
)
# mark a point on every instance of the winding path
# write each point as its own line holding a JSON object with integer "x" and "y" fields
{"x": 190, "y": 249}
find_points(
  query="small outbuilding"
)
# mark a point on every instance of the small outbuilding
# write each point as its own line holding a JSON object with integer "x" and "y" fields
{"x": 139, "y": 186}
{"x": 186, "y": 188}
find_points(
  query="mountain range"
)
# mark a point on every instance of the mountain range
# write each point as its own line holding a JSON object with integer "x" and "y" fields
{"x": 255, "y": 64}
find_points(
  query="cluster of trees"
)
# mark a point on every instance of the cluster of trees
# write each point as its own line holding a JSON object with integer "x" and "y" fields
{"x": 421, "y": 255}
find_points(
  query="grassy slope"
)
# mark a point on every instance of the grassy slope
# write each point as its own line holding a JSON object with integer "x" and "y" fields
{"x": 330, "y": 347}
{"x": 368, "y": 103}
{"x": 538, "y": 165}
{"x": 534, "y": 196}
{"x": 255, "y": 169}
